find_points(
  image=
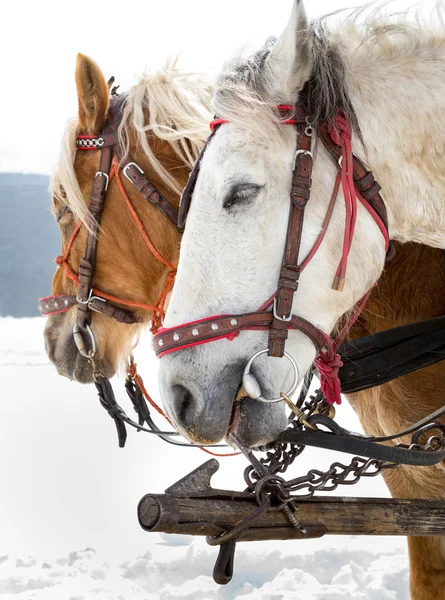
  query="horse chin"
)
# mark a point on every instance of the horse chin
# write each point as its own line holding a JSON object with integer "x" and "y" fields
{"x": 64, "y": 355}
{"x": 257, "y": 424}
{"x": 79, "y": 369}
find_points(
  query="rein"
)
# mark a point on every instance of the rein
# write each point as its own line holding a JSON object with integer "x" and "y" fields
{"x": 357, "y": 182}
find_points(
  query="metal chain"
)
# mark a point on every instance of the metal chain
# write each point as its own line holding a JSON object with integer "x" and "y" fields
{"x": 273, "y": 492}
{"x": 262, "y": 475}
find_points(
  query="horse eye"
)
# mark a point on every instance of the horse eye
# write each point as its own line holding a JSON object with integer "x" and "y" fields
{"x": 62, "y": 212}
{"x": 242, "y": 194}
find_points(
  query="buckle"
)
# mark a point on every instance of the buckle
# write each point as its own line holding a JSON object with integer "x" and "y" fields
{"x": 102, "y": 174}
{"x": 305, "y": 152}
{"x": 283, "y": 318}
{"x": 127, "y": 166}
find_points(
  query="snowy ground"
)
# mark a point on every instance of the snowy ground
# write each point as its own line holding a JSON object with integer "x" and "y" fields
{"x": 68, "y": 528}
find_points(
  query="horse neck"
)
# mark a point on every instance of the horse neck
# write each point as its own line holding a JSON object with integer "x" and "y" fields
{"x": 399, "y": 100}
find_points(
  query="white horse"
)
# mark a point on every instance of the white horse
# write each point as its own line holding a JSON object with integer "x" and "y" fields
{"x": 388, "y": 78}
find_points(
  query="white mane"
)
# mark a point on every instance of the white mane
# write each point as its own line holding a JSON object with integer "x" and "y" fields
{"x": 344, "y": 41}
{"x": 178, "y": 103}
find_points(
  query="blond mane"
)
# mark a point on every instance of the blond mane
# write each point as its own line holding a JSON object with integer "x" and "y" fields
{"x": 178, "y": 103}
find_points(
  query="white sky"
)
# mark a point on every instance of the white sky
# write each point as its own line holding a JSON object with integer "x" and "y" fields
{"x": 39, "y": 42}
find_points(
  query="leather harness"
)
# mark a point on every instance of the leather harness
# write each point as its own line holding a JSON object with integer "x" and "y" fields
{"x": 280, "y": 320}
{"x": 108, "y": 144}
{"x": 369, "y": 361}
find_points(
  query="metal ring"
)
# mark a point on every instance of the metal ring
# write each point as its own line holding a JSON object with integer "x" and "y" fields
{"x": 293, "y": 387}
{"x": 80, "y": 342}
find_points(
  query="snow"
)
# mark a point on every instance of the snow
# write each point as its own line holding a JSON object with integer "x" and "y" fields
{"x": 69, "y": 495}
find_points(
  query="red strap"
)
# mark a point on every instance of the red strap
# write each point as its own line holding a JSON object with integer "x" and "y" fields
{"x": 217, "y": 122}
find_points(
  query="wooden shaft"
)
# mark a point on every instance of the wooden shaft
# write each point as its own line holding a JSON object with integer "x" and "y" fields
{"x": 334, "y": 516}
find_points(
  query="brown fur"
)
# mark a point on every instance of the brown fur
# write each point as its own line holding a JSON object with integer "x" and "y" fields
{"x": 92, "y": 92}
{"x": 411, "y": 289}
{"x": 125, "y": 266}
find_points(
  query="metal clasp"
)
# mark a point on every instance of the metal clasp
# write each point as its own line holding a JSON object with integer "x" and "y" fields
{"x": 90, "y": 295}
{"x": 283, "y": 318}
{"x": 309, "y": 130}
{"x": 131, "y": 164}
{"x": 91, "y": 298}
{"x": 300, "y": 151}
{"x": 102, "y": 174}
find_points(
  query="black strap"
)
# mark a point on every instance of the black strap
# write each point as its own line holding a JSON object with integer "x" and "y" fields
{"x": 375, "y": 359}
{"x": 108, "y": 401}
{"x": 360, "y": 447}
{"x": 120, "y": 418}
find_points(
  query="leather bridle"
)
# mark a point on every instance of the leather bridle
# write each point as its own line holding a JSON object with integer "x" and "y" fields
{"x": 356, "y": 181}
{"x": 113, "y": 159}
{"x": 88, "y": 299}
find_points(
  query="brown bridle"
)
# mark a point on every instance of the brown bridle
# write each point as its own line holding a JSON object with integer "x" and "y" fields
{"x": 280, "y": 320}
{"x": 88, "y": 299}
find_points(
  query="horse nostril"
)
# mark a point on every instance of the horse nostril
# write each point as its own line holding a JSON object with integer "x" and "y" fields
{"x": 183, "y": 403}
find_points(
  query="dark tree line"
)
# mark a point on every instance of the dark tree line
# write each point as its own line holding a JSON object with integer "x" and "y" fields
{"x": 29, "y": 241}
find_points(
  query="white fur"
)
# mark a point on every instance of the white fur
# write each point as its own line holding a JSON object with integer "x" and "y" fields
{"x": 230, "y": 259}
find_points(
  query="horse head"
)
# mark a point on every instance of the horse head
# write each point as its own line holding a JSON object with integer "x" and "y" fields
{"x": 157, "y": 130}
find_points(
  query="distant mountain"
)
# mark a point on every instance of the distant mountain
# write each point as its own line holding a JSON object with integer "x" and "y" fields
{"x": 29, "y": 241}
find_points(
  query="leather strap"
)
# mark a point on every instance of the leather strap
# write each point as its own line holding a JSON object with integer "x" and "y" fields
{"x": 136, "y": 176}
{"x": 108, "y": 143}
{"x": 290, "y": 270}
{"x": 56, "y": 304}
{"x": 375, "y": 359}
{"x": 360, "y": 447}
{"x": 281, "y": 319}
{"x": 226, "y": 326}
{"x": 88, "y": 262}
{"x": 60, "y": 304}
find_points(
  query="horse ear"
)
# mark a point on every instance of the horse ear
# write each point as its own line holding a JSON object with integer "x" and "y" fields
{"x": 289, "y": 63}
{"x": 93, "y": 95}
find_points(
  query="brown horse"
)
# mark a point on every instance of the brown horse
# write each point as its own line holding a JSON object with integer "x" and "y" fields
{"x": 411, "y": 289}
{"x": 163, "y": 127}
